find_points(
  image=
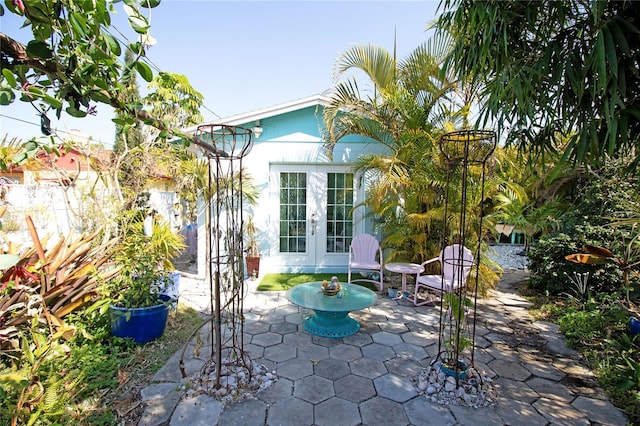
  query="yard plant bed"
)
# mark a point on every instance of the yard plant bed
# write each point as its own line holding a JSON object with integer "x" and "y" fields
{"x": 101, "y": 379}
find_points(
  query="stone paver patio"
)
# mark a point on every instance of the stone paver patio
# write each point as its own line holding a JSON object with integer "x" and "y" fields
{"x": 368, "y": 378}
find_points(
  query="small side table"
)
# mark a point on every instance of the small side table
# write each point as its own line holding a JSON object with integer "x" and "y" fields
{"x": 404, "y": 269}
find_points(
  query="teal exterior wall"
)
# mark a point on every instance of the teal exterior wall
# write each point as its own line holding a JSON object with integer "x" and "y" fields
{"x": 294, "y": 139}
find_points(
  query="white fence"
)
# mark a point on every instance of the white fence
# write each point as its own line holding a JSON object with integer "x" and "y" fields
{"x": 59, "y": 213}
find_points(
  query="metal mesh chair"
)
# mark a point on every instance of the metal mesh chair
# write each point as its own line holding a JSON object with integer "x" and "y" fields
{"x": 365, "y": 255}
{"x": 456, "y": 262}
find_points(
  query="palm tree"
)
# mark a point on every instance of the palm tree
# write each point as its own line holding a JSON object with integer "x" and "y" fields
{"x": 409, "y": 106}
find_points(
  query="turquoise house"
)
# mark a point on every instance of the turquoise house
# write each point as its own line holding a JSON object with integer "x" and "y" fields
{"x": 309, "y": 205}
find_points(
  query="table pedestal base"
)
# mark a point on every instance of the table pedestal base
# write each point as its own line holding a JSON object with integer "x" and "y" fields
{"x": 331, "y": 324}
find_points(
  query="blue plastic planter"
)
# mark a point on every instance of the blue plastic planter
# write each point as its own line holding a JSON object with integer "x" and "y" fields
{"x": 634, "y": 325}
{"x": 140, "y": 324}
{"x": 460, "y": 375}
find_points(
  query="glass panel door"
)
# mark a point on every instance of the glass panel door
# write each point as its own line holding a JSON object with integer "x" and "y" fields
{"x": 311, "y": 217}
{"x": 339, "y": 222}
{"x": 293, "y": 212}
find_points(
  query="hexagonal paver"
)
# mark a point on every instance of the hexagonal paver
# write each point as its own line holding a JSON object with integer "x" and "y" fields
{"x": 382, "y": 412}
{"x": 354, "y": 388}
{"x": 502, "y": 352}
{"x": 313, "y": 352}
{"x": 246, "y": 412}
{"x": 336, "y": 411}
{"x": 395, "y": 388}
{"x": 297, "y": 339}
{"x": 386, "y": 338}
{"x": 332, "y": 368}
{"x": 518, "y": 391}
{"x": 280, "y": 390}
{"x": 256, "y": 327}
{"x": 566, "y": 415}
{"x": 509, "y": 370}
{"x": 291, "y": 411}
{"x": 345, "y": 352}
{"x": 295, "y": 369}
{"x": 469, "y": 416}
{"x": 513, "y": 412}
{"x": 378, "y": 352}
{"x": 313, "y": 389}
{"x": 280, "y": 352}
{"x": 494, "y": 337}
{"x": 267, "y": 339}
{"x": 358, "y": 339}
{"x": 600, "y": 411}
{"x": 481, "y": 342}
{"x": 481, "y": 355}
{"x": 368, "y": 327}
{"x": 551, "y": 389}
{"x": 368, "y": 368}
{"x": 428, "y": 318}
{"x": 542, "y": 369}
{"x": 407, "y": 350}
{"x": 325, "y": 341}
{"x": 288, "y": 309}
{"x": 283, "y": 328}
{"x": 393, "y": 327}
{"x": 420, "y": 338}
{"x": 404, "y": 367}
{"x": 424, "y": 412}
{"x": 273, "y": 317}
{"x": 294, "y": 318}
{"x": 254, "y": 351}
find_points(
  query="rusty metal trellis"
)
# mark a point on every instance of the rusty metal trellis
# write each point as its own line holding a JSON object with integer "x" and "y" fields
{"x": 224, "y": 148}
{"x": 465, "y": 154}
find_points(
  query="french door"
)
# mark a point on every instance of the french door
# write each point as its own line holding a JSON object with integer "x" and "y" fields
{"x": 311, "y": 217}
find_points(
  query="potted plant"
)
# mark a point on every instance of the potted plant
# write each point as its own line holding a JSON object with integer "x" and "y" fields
{"x": 138, "y": 303}
{"x": 253, "y": 254}
{"x": 392, "y": 291}
{"x": 457, "y": 340}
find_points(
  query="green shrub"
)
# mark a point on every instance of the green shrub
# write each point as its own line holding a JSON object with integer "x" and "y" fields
{"x": 550, "y": 270}
{"x": 600, "y": 318}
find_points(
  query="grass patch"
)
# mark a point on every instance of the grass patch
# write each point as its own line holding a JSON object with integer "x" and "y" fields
{"x": 281, "y": 282}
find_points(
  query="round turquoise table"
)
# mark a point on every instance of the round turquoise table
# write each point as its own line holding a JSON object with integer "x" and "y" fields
{"x": 331, "y": 317}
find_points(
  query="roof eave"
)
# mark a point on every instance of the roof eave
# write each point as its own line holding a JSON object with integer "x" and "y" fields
{"x": 263, "y": 113}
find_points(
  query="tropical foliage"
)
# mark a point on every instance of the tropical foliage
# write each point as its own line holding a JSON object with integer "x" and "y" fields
{"x": 144, "y": 262}
{"x": 592, "y": 204}
{"x": 407, "y": 118}
{"x": 411, "y": 104}
{"x": 72, "y": 63}
{"x": 568, "y": 67}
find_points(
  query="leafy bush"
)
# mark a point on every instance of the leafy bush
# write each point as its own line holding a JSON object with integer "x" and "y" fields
{"x": 549, "y": 268}
{"x": 87, "y": 379}
{"x": 599, "y": 319}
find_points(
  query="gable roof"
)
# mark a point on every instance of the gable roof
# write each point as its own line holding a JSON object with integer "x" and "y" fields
{"x": 247, "y": 117}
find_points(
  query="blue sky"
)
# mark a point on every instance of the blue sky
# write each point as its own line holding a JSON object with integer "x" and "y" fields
{"x": 247, "y": 55}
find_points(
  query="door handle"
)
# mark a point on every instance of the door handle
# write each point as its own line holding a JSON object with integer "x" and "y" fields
{"x": 313, "y": 223}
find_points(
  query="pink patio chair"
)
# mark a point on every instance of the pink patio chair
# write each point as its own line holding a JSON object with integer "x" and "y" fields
{"x": 456, "y": 262}
{"x": 365, "y": 255}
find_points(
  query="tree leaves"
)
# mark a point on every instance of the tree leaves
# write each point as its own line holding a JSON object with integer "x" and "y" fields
{"x": 39, "y": 49}
{"x": 564, "y": 66}
{"x": 73, "y": 59}
{"x": 137, "y": 21}
{"x": 144, "y": 70}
